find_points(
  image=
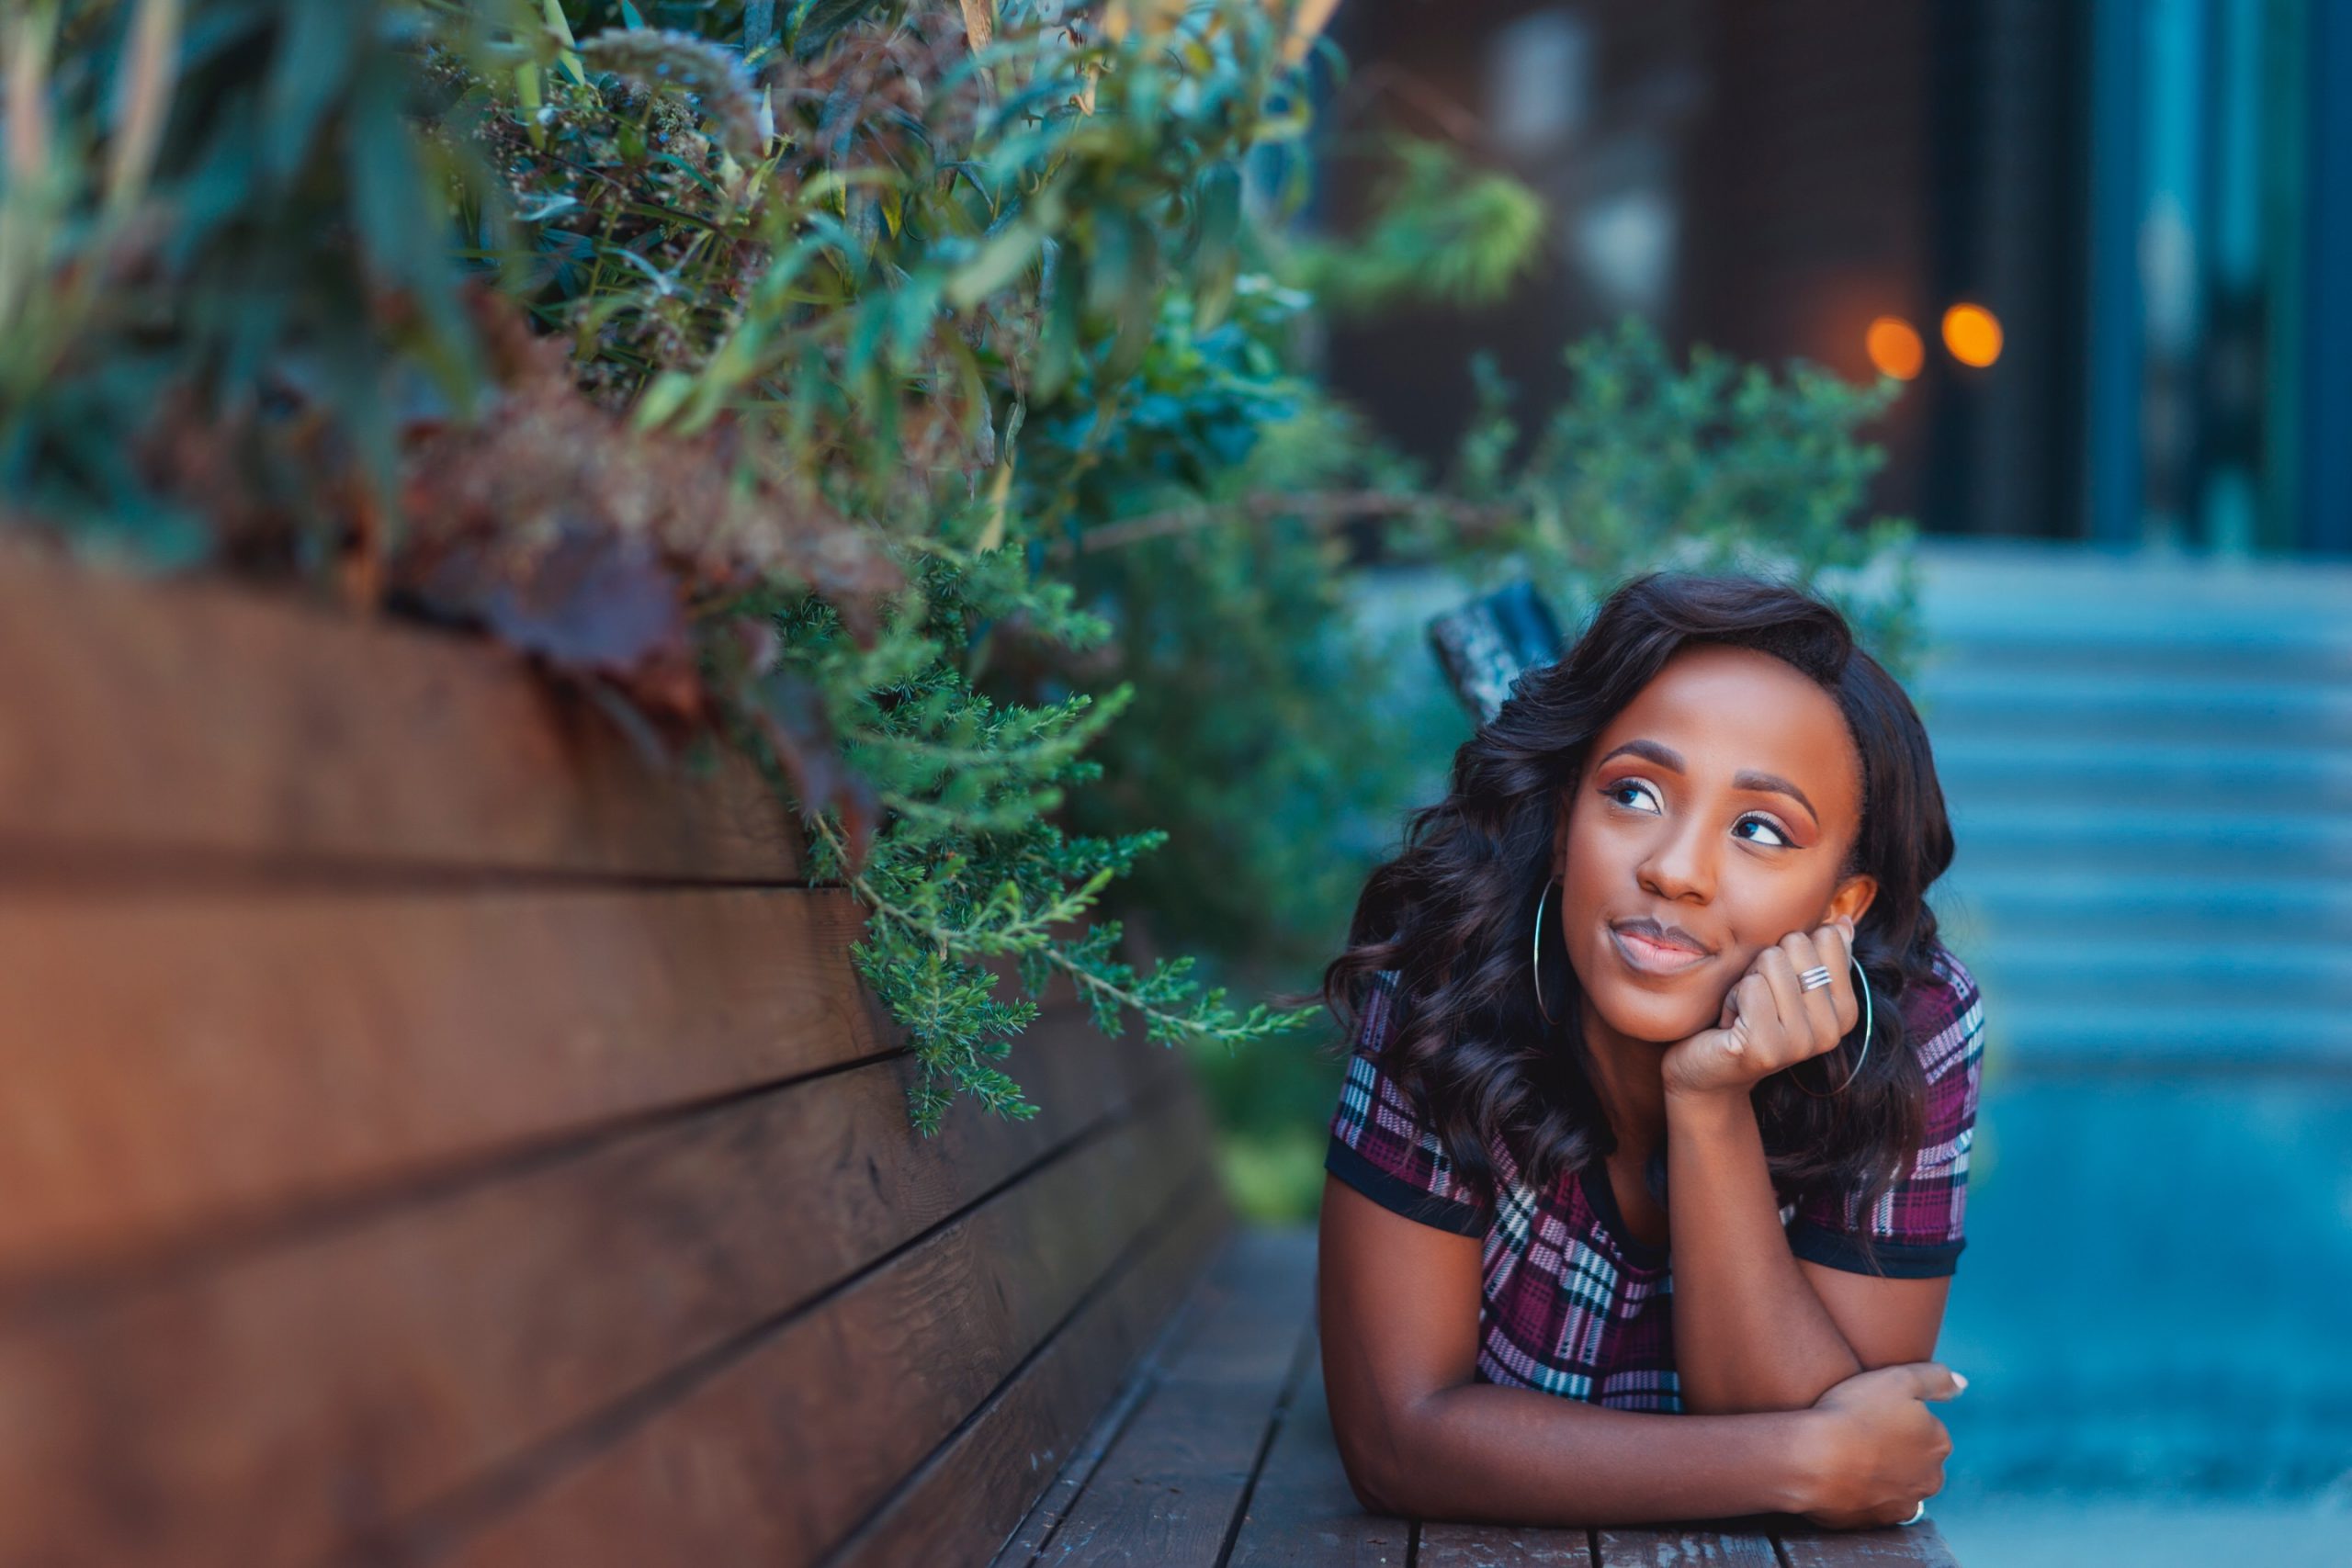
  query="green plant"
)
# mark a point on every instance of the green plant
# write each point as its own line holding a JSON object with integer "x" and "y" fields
{"x": 1443, "y": 231}
{"x": 223, "y": 265}
{"x": 926, "y": 308}
{"x": 761, "y": 487}
{"x": 918, "y": 396}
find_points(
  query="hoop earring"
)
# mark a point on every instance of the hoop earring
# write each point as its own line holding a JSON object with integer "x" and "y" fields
{"x": 1535, "y": 956}
{"x": 1869, "y": 1017}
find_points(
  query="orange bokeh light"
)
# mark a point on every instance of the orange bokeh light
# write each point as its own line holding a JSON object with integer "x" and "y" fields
{"x": 1894, "y": 347}
{"x": 1972, "y": 334}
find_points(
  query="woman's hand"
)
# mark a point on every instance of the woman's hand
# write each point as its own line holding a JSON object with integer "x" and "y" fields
{"x": 1767, "y": 1022}
{"x": 1880, "y": 1451}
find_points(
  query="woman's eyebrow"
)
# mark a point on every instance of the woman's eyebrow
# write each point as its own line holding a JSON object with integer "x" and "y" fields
{"x": 1776, "y": 784}
{"x": 1671, "y": 761}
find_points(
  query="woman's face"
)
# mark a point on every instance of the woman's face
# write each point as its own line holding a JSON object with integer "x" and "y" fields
{"x": 1719, "y": 805}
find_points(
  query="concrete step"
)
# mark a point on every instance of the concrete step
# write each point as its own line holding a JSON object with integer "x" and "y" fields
{"x": 2129, "y": 612}
{"x": 2017, "y": 771}
{"x": 2119, "y": 614}
{"x": 2031, "y": 1039}
{"x": 2229, "y": 967}
{"x": 2030, "y": 610}
{"x": 2076, "y": 839}
{"x": 2024, "y": 653}
{"x": 2044, "y": 902}
{"x": 1981, "y": 576}
{"x": 1964, "y": 705}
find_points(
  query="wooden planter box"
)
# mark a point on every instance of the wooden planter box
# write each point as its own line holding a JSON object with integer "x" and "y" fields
{"x": 430, "y": 1134}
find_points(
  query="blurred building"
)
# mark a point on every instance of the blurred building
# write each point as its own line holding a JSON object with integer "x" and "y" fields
{"x": 2140, "y": 210}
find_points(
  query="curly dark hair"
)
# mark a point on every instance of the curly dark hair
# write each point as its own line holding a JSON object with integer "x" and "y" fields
{"x": 1452, "y": 913}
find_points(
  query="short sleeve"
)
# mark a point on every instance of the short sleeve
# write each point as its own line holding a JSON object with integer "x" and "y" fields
{"x": 1381, "y": 1144}
{"x": 1918, "y": 1227}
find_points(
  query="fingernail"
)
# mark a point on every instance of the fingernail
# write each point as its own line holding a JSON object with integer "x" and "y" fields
{"x": 1958, "y": 1381}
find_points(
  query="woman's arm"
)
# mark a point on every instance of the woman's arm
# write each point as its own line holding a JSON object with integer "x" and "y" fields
{"x": 1398, "y": 1306}
{"x": 1750, "y": 1334}
{"x": 1750, "y": 1331}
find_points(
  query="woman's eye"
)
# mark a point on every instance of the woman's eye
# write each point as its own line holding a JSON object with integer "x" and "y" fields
{"x": 1633, "y": 786}
{"x": 1622, "y": 785}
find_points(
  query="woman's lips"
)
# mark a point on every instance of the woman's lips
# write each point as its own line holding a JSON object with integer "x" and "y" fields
{"x": 1650, "y": 958}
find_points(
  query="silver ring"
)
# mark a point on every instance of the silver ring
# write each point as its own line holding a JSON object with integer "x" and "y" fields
{"x": 1918, "y": 1514}
{"x": 1813, "y": 978}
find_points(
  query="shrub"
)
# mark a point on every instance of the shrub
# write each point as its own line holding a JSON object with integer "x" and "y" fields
{"x": 901, "y": 391}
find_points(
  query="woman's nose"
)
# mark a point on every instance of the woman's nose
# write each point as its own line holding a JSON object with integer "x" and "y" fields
{"x": 1678, "y": 867}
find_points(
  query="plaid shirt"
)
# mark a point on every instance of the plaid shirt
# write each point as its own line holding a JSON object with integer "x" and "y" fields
{"x": 1572, "y": 1303}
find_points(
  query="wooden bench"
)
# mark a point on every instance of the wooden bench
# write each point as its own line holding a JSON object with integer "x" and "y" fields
{"x": 1219, "y": 1454}
{"x": 428, "y": 1134}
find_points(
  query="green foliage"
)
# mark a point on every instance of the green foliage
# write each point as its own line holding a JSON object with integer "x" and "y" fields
{"x": 1715, "y": 465}
{"x": 807, "y": 292}
{"x": 222, "y": 249}
{"x": 1445, "y": 232}
{"x": 939, "y": 426}
{"x": 942, "y": 268}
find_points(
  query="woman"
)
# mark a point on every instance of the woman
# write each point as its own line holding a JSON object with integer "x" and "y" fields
{"x": 1607, "y": 1011}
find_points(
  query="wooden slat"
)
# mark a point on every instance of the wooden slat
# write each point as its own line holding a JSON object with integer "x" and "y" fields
{"x": 1675, "y": 1546}
{"x": 1899, "y": 1546}
{"x": 958, "y": 1508}
{"x": 266, "y": 1406}
{"x": 181, "y": 1063}
{"x": 1019, "y": 1549}
{"x": 1459, "y": 1546}
{"x": 209, "y": 720}
{"x": 1503, "y": 1546}
{"x": 1302, "y": 1509}
{"x": 1166, "y": 1490}
{"x": 848, "y": 1398}
{"x": 1063, "y": 1492}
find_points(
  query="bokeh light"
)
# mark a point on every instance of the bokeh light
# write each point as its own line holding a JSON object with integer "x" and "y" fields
{"x": 1894, "y": 347}
{"x": 1974, "y": 334}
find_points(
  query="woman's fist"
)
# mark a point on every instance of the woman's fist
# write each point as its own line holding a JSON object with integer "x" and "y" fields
{"x": 1878, "y": 1453}
{"x": 1769, "y": 1021}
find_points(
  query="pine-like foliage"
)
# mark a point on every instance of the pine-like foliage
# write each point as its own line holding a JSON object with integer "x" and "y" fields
{"x": 917, "y": 394}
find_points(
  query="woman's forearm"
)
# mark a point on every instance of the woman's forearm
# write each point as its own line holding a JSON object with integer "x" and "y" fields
{"x": 1483, "y": 1453}
{"x": 1749, "y": 1332}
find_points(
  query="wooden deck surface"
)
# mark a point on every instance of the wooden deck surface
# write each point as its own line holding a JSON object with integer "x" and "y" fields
{"x": 1219, "y": 1454}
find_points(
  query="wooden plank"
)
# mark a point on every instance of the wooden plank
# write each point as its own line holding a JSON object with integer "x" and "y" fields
{"x": 265, "y": 1406}
{"x": 194, "y": 1064}
{"x": 1302, "y": 1509}
{"x": 1167, "y": 1489}
{"x": 154, "y": 724}
{"x": 1806, "y": 1545}
{"x": 1504, "y": 1546}
{"x": 957, "y": 1509}
{"x": 848, "y": 1398}
{"x": 1674, "y": 1546}
{"x": 1062, "y": 1493}
{"x": 1740, "y": 1544}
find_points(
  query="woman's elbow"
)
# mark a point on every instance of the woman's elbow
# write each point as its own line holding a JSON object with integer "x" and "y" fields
{"x": 1373, "y": 1487}
{"x": 1373, "y": 1454}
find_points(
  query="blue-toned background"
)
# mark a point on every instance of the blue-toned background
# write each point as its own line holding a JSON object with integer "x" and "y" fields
{"x": 2150, "y": 765}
